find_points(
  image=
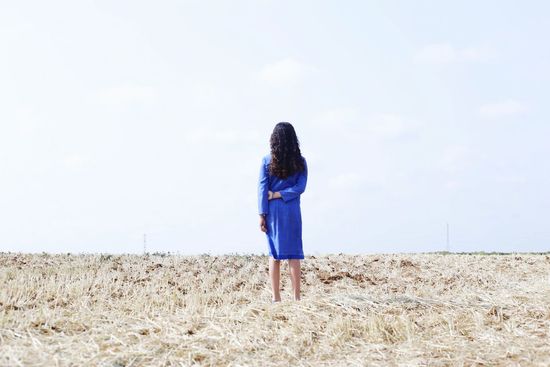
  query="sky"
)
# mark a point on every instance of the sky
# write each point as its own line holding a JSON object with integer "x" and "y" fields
{"x": 131, "y": 118}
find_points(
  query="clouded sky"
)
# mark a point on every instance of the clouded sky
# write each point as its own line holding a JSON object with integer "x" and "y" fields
{"x": 119, "y": 119}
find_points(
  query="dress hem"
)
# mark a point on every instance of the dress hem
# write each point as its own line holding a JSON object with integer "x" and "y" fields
{"x": 288, "y": 257}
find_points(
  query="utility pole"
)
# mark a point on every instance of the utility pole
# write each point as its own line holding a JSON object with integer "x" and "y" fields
{"x": 448, "y": 247}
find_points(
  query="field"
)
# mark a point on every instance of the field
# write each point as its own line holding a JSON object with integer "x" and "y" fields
{"x": 375, "y": 310}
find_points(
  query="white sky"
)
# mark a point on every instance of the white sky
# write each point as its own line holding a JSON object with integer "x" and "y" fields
{"x": 131, "y": 117}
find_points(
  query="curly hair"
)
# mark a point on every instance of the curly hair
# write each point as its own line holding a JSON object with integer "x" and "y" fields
{"x": 286, "y": 158}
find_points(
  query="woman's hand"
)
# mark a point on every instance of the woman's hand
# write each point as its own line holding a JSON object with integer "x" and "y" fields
{"x": 273, "y": 195}
{"x": 263, "y": 224}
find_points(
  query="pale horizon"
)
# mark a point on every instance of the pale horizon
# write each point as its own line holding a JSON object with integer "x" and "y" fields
{"x": 124, "y": 119}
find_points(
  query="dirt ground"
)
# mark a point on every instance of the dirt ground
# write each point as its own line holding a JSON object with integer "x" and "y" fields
{"x": 368, "y": 310}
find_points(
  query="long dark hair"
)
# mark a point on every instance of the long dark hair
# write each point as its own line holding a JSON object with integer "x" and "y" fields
{"x": 286, "y": 158}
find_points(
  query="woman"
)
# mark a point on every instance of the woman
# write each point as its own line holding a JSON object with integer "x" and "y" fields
{"x": 283, "y": 177}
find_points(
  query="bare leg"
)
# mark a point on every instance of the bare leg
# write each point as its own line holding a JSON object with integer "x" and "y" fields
{"x": 275, "y": 275}
{"x": 292, "y": 280}
{"x": 295, "y": 277}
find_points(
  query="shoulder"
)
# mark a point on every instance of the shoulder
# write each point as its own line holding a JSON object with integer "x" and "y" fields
{"x": 266, "y": 158}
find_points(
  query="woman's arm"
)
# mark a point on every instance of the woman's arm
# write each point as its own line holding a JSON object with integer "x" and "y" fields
{"x": 296, "y": 190}
{"x": 263, "y": 183}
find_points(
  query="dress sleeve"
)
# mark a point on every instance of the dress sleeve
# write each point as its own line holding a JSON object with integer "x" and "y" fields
{"x": 296, "y": 190}
{"x": 263, "y": 188}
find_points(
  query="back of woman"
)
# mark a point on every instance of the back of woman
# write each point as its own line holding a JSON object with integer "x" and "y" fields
{"x": 283, "y": 178}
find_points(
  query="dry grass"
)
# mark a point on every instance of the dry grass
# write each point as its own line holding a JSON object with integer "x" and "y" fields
{"x": 131, "y": 310}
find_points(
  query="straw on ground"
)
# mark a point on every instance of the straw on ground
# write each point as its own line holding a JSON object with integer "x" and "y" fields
{"x": 130, "y": 310}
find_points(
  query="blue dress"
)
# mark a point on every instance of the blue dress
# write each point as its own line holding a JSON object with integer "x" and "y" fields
{"x": 284, "y": 218}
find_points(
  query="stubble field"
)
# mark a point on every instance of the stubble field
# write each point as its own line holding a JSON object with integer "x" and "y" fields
{"x": 375, "y": 310}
